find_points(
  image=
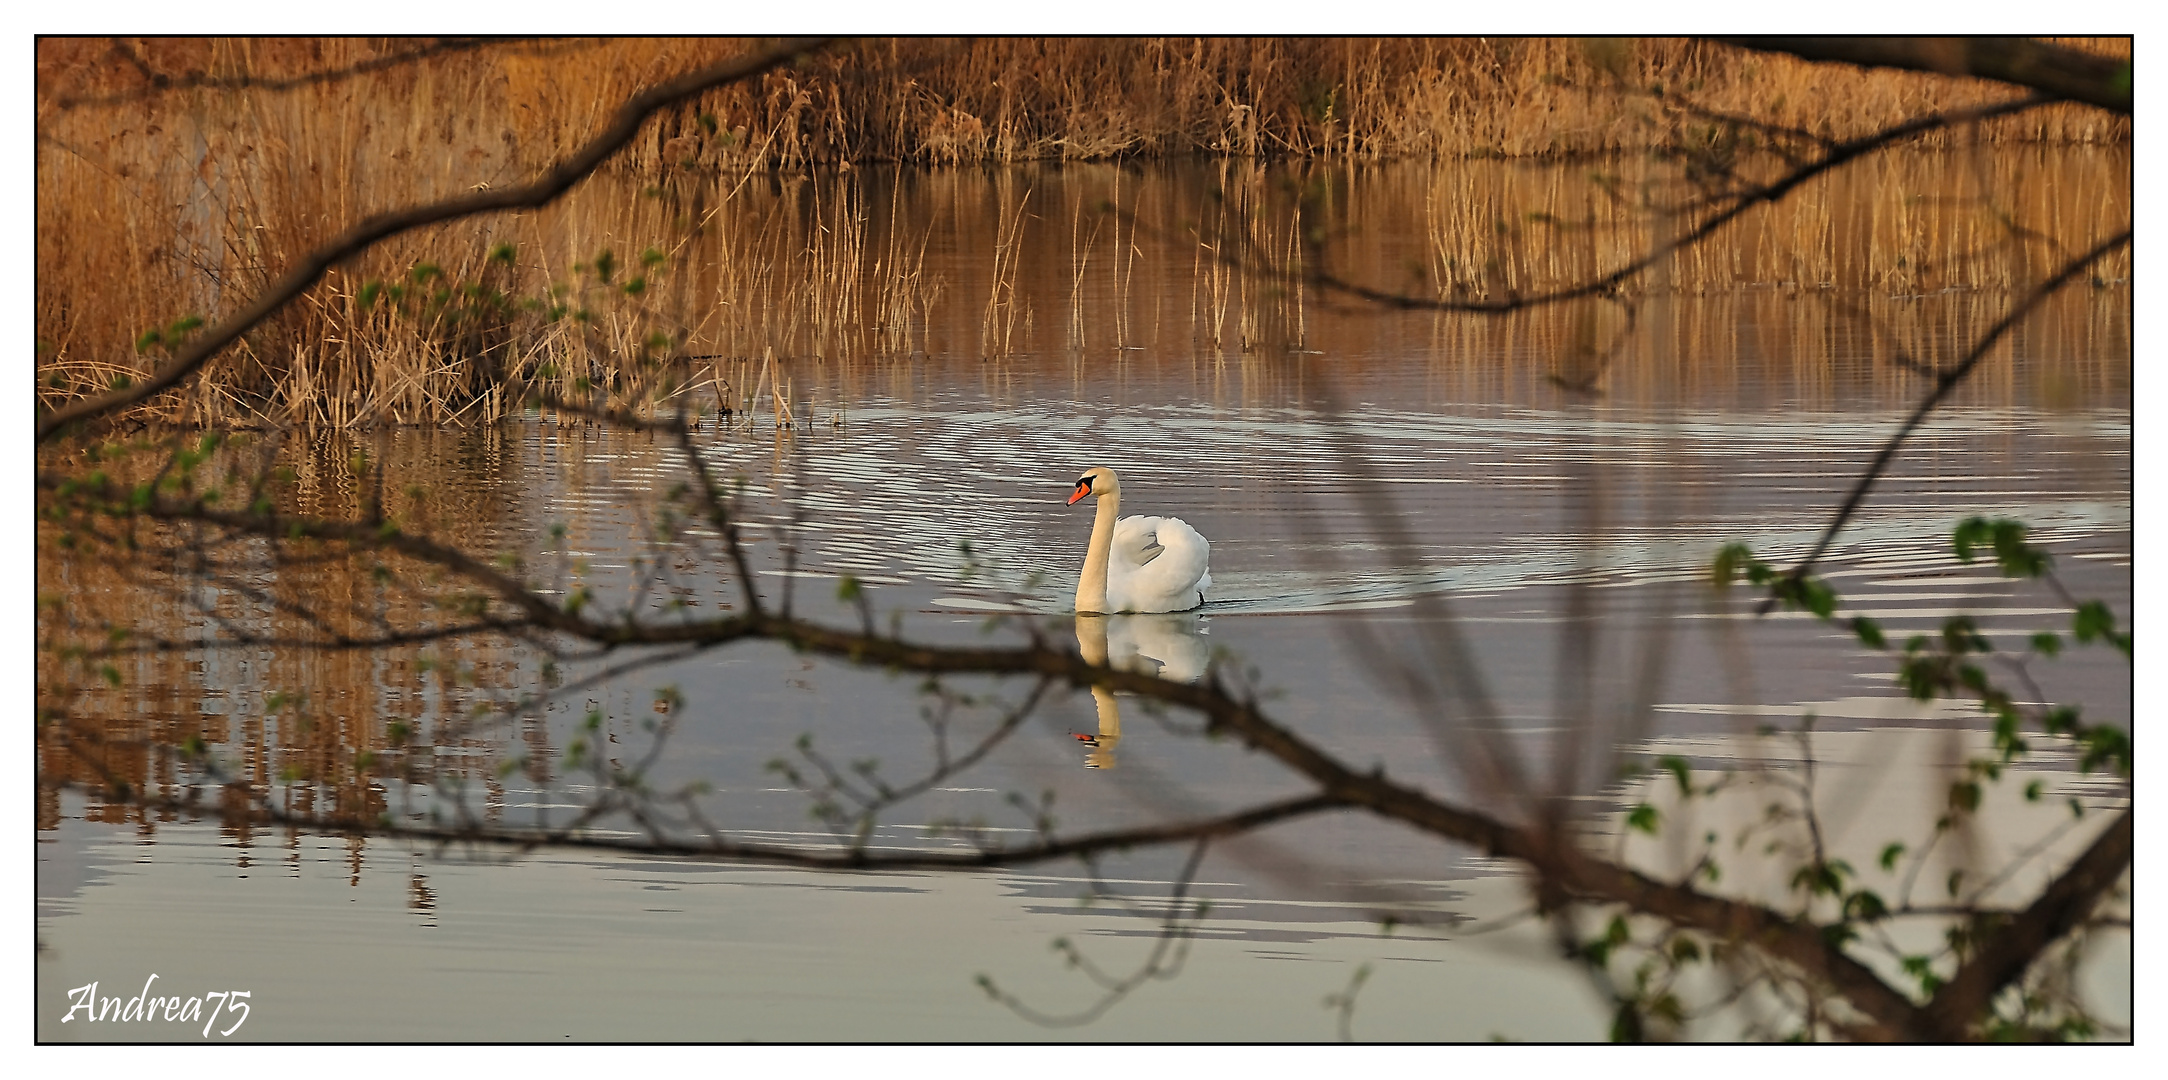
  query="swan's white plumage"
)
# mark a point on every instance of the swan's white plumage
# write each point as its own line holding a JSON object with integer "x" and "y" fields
{"x": 1158, "y": 564}
{"x": 1138, "y": 564}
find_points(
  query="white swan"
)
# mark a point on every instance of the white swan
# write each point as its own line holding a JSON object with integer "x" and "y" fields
{"x": 1144, "y": 564}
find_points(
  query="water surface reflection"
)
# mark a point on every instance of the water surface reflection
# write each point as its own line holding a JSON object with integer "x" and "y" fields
{"x": 1744, "y": 420}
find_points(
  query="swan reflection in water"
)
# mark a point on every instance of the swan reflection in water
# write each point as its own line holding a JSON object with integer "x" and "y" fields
{"x": 1169, "y": 645}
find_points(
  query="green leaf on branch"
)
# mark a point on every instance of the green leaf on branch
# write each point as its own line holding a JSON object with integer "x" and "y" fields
{"x": 2007, "y": 538}
{"x": 1816, "y": 596}
{"x": 2104, "y": 745}
{"x": 1868, "y": 632}
{"x": 1731, "y": 561}
{"x": 1837, "y": 935}
{"x": 1921, "y": 677}
{"x": 1812, "y": 594}
{"x": 1865, "y": 906}
{"x": 1922, "y": 968}
{"x": 1679, "y": 771}
{"x": 1971, "y": 533}
{"x": 1965, "y": 795}
{"x": 1961, "y": 635}
{"x": 2093, "y": 620}
{"x": 2059, "y": 720}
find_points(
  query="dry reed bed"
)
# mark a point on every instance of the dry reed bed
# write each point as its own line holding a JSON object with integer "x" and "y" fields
{"x": 512, "y": 106}
{"x": 186, "y": 200}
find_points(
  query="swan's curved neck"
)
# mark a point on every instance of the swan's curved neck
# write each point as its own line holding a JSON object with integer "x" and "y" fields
{"x": 1091, "y": 585}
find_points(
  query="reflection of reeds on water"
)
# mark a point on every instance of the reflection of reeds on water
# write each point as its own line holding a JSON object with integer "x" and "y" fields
{"x": 1913, "y": 223}
{"x": 1081, "y": 247}
{"x": 997, "y": 329}
{"x": 903, "y": 294}
{"x": 332, "y": 729}
{"x": 808, "y": 284}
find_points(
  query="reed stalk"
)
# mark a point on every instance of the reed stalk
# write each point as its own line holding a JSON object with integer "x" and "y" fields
{"x": 157, "y": 204}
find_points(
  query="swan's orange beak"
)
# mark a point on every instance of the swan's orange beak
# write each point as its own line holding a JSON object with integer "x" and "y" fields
{"x": 1083, "y": 488}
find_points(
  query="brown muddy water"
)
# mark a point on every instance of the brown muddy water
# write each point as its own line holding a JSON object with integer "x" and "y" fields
{"x": 1728, "y": 414}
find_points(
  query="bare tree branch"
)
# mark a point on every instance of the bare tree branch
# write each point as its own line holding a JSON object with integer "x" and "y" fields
{"x": 1604, "y": 285}
{"x": 575, "y": 837}
{"x": 1944, "y": 383}
{"x": 2011, "y": 947}
{"x": 158, "y": 82}
{"x": 2104, "y": 81}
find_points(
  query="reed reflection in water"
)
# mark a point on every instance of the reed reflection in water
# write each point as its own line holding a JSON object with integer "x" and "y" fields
{"x": 787, "y": 293}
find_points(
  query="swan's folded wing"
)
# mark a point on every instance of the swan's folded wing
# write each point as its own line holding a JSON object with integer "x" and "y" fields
{"x": 1156, "y": 564}
{"x": 1136, "y": 541}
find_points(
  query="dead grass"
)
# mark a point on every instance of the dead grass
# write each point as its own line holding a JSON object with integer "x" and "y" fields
{"x": 186, "y": 200}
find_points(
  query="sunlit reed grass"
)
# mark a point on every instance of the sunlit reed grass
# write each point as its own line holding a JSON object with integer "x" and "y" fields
{"x": 187, "y": 201}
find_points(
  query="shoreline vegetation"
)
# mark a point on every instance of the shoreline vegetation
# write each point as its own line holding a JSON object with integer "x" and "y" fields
{"x": 765, "y": 224}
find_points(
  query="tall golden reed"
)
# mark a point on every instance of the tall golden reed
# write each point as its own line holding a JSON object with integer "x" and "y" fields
{"x": 154, "y": 204}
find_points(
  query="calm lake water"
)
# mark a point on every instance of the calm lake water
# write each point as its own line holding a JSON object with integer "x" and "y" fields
{"x": 1370, "y": 484}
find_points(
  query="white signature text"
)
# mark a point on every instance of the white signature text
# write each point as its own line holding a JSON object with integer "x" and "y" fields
{"x": 148, "y": 1007}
